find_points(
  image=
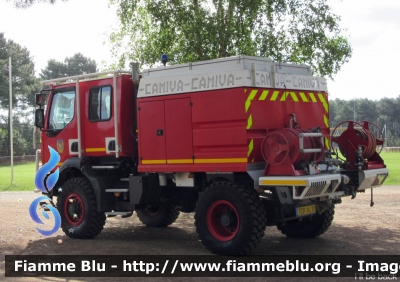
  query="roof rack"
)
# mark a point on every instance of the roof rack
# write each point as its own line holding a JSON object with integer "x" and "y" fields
{"x": 75, "y": 78}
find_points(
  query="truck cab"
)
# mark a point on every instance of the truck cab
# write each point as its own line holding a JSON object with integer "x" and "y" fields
{"x": 81, "y": 119}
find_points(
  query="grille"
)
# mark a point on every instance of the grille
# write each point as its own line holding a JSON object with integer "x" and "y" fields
{"x": 316, "y": 188}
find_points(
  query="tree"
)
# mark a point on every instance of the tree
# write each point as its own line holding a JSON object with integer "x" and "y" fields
{"x": 28, "y": 3}
{"x": 389, "y": 109}
{"x": 192, "y": 30}
{"x": 23, "y": 74}
{"x": 24, "y": 82}
{"x": 54, "y": 69}
{"x": 75, "y": 65}
{"x": 367, "y": 110}
{"x": 340, "y": 110}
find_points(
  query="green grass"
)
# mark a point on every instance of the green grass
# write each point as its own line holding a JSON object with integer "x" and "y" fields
{"x": 392, "y": 162}
{"x": 24, "y": 174}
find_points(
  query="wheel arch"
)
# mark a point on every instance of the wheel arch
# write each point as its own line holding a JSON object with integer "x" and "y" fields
{"x": 233, "y": 177}
{"x": 82, "y": 167}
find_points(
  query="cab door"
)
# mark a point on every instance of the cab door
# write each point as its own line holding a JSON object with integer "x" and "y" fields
{"x": 98, "y": 123}
{"x": 60, "y": 124}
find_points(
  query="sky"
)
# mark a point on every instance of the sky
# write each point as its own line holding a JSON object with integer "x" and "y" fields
{"x": 65, "y": 28}
{"x": 60, "y": 30}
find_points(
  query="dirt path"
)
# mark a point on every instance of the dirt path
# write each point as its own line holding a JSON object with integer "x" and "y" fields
{"x": 356, "y": 229}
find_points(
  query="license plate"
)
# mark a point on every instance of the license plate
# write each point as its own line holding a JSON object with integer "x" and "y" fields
{"x": 305, "y": 210}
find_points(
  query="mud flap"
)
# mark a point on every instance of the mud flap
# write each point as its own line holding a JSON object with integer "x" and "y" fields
{"x": 144, "y": 189}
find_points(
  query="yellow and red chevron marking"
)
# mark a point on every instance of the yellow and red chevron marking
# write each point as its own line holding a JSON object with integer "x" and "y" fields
{"x": 282, "y": 96}
{"x": 250, "y": 156}
{"x": 323, "y": 98}
{"x": 252, "y": 94}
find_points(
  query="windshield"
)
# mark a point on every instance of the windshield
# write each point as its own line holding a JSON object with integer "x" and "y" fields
{"x": 62, "y": 109}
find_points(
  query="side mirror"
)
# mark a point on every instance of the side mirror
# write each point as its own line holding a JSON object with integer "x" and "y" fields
{"x": 40, "y": 99}
{"x": 39, "y": 118}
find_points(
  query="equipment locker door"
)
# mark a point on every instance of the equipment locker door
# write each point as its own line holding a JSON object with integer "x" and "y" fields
{"x": 165, "y": 132}
{"x": 152, "y": 133}
{"x": 179, "y": 134}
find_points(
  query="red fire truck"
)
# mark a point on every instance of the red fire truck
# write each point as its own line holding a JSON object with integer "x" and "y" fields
{"x": 243, "y": 142}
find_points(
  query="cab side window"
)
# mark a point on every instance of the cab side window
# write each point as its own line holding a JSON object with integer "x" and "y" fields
{"x": 100, "y": 103}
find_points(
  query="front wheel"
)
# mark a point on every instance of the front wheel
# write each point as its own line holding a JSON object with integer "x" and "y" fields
{"x": 76, "y": 204}
{"x": 230, "y": 219}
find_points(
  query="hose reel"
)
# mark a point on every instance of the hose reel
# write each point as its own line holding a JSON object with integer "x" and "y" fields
{"x": 285, "y": 148}
{"x": 358, "y": 144}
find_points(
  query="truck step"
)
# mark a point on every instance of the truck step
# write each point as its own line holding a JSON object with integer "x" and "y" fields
{"x": 117, "y": 190}
{"x": 105, "y": 167}
{"x": 123, "y": 214}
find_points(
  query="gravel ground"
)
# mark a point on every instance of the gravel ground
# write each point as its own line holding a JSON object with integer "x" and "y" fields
{"x": 357, "y": 229}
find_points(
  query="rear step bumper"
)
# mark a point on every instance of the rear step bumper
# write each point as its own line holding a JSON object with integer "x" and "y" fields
{"x": 372, "y": 178}
{"x": 306, "y": 186}
{"x": 321, "y": 185}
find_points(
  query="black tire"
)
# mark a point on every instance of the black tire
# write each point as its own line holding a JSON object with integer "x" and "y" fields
{"x": 76, "y": 203}
{"x": 158, "y": 215}
{"x": 230, "y": 219}
{"x": 187, "y": 200}
{"x": 309, "y": 227}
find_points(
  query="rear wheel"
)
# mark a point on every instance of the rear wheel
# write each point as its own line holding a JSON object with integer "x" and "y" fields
{"x": 309, "y": 227}
{"x": 230, "y": 219}
{"x": 187, "y": 200}
{"x": 76, "y": 203}
{"x": 158, "y": 214}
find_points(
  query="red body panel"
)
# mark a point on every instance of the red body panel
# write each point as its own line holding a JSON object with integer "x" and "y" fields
{"x": 219, "y": 130}
{"x": 225, "y": 128}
